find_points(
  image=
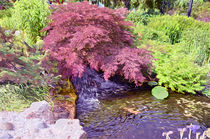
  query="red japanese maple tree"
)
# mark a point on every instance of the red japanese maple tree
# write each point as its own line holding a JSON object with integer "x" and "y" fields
{"x": 82, "y": 35}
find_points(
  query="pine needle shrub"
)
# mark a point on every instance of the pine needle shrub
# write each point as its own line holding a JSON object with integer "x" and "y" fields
{"x": 30, "y": 17}
{"x": 82, "y": 35}
{"x": 173, "y": 26}
{"x": 176, "y": 70}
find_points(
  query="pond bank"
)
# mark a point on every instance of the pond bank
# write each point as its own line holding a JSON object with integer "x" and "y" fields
{"x": 38, "y": 122}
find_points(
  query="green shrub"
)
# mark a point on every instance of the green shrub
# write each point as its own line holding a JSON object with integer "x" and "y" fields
{"x": 5, "y": 13}
{"x": 197, "y": 41}
{"x": 173, "y": 26}
{"x": 176, "y": 70}
{"x": 28, "y": 16}
{"x": 141, "y": 16}
{"x": 5, "y": 4}
{"x": 21, "y": 66}
{"x": 183, "y": 4}
{"x": 146, "y": 33}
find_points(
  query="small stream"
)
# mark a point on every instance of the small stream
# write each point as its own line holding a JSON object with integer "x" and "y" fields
{"x": 110, "y": 118}
{"x": 105, "y": 114}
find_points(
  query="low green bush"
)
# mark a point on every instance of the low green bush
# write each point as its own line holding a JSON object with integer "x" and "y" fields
{"x": 176, "y": 70}
{"x": 28, "y": 16}
{"x": 183, "y": 4}
{"x": 197, "y": 41}
{"x": 141, "y": 16}
{"x": 21, "y": 66}
{"x": 5, "y": 4}
{"x": 173, "y": 26}
{"x": 146, "y": 33}
{"x": 5, "y": 13}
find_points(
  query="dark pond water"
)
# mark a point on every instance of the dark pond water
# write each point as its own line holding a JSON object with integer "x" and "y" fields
{"x": 114, "y": 118}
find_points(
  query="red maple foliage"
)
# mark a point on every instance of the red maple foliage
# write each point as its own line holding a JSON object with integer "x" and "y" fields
{"x": 82, "y": 35}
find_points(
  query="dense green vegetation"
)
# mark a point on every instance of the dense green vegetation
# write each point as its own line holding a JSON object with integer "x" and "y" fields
{"x": 179, "y": 45}
{"x": 181, "y": 48}
{"x": 29, "y": 17}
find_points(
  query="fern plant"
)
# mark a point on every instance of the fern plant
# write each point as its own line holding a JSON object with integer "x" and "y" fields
{"x": 176, "y": 70}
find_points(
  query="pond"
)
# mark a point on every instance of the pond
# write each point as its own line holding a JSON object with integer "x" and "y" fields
{"x": 138, "y": 115}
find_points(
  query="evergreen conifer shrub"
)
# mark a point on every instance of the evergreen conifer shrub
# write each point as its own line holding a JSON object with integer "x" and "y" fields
{"x": 82, "y": 35}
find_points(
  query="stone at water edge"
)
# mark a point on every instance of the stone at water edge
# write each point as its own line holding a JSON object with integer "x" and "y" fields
{"x": 41, "y": 110}
{"x": 67, "y": 128}
{"x": 6, "y": 136}
{"x": 6, "y": 126}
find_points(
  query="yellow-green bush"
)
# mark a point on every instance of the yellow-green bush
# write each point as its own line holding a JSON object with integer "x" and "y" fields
{"x": 173, "y": 26}
{"x": 29, "y": 16}
{"x": 197, "y": 41}
{"x": 176, "y": 70}
{"x": 146, "y": 33}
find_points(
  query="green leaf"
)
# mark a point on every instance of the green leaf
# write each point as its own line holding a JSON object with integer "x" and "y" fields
{"x": 206, "y": 92}
{"x": 159, "y": 92}
{"x": 152, "y": 83}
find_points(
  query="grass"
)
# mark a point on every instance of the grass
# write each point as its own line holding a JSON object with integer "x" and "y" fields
{"x": 18, "y": 97}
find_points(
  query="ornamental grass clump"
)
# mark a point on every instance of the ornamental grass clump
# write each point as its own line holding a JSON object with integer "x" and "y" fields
{"x": 82, "y": 35}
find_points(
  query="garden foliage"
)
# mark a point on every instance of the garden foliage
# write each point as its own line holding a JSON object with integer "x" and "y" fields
{"x": 82, "y": 35}
{"x": 5, "y": 4}
{"x": 28, "y": 16}
{"x": 173, "y": 26}
{"x": 176, "y": 70}
{"x": 21, "y": 65}
{"x": 197, "y": 41}
{"x": 180, "y": 46}
{"x": 141, "y": 16}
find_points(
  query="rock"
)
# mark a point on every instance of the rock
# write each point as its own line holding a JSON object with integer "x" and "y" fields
{"x": 34, "y": 125}
{"x": 17, "y": 137}
{"x": 67, "y": 128}
{"x": 6, "y": 136}
{"x": 37, "y": 122}
{"x": 41, "y": 110}
{"x": 6, "y": 126}
{"x": 64, "y": 110}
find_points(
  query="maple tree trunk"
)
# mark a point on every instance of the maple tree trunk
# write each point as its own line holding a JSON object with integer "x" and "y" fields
{"x": 190, "y": 8}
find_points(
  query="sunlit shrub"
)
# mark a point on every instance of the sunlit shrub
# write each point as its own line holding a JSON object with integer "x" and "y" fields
{"x": 28, "y": 16}
{"x": 197, "y": 41}
{"x": 173, "y": 26}
{"x": 184, "y": 3}
{"x": 21, "y": 65}
{"x": 176, "y": 70}
{"x": 146, "y": 33}
{"x": 141, "y": 16}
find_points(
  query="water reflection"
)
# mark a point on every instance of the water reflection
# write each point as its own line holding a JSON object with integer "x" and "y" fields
{"x": 138, "y": 115}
